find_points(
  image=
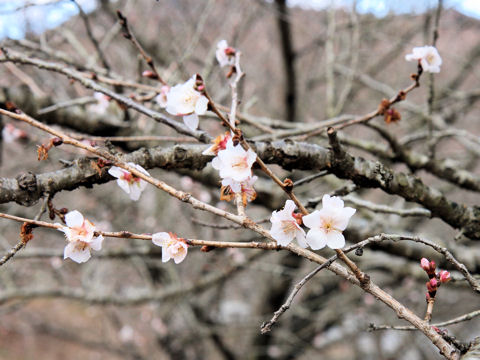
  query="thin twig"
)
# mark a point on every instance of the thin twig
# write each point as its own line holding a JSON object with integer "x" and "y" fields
{"x": 92, "y": 38}
{"x": 127, "y": 33}
{"x": 458, "y": 319}
{"x": 267, "y": 326}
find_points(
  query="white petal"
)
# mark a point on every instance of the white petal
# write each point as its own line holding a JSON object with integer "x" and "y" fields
{"x": 279, "y": 235}
{"x": 116, "y": 171}
{"x": 312, "y": 220}
{"x": 139, "y": 168}
{"x": 135, "y": 192}
{"x": 191, "y": 121}
{"x": 201, "y": 106}
{"x": 335, "y": 240}
{"x": 342, "y": 217}
{"x": 165, "y": 255}
{"x": 74, "y": 218}
{"x": 222, "y": 44}
{"x": 301, "y": 239}
{"x": 77, "y": 255}
{"x": 160, "y": 238}
{"x": 331, "y": 201}
{"x": 316, "y": 239}
{"x": 289, "y": 207}
{"x": 124, "y": 185}
{"x": 216, "y": 163}
{"x": 180, "y": 256}
{"x": 96, "y": 243}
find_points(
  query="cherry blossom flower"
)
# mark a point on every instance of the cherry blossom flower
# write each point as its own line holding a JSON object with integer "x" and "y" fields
{"x": 129, "y": 183}
{"x": 234, "y": 162}
{"x": 172, "y": 247}
{"x": 428, "y": 57}
{"x": 225, "y": 54}
{"x": 231, "y": 187}
{"x": 285, "y": 226}
{"x": 184, "y": 100}
{"x": 326, "y": 225}
{"x": 219, "y": 143}
{"x": 101, "y": 106}
{"x": 80, "y": 235}
{"x": 161, "y": 98}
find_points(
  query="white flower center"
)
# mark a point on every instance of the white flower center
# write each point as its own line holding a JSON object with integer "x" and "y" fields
{"x": 190, "y": 98}
{"x": 240, "y": 163}
{"x": 328, "y": 225}
{"x": 430, "y": 58}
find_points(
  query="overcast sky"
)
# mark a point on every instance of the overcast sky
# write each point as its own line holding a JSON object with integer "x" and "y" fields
{"x": 14, "y": 23}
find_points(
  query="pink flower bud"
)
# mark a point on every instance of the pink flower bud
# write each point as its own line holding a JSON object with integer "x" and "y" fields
{"x": 149, "y": 74}
{"x": 425, "y": 264}
{"x": 444, "y": 276}
{"x": 432, "y": 265}
{"x": 432, "y": 285}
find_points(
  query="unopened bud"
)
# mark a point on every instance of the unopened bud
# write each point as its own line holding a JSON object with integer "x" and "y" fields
{"x": 57, "y": 141}
{"x": 425, "y": 264}
{"x": 444, "y": 276}
{"x": 432, "y": 285}
{"x": 149, "y": 74}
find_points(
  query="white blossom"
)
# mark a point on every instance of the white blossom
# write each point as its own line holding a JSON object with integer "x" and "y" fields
{"x": 285, "y": 226}
{"x": 172, "y": 247}
{"x": 129, "y": 183}
{"x": 428, "y": 56}
{"x": 161, "y": 98}
{"x": 234, "y": 162}
{"x": 326, "y": 225}
{"x": 80, "y": 236}
{"x": 184, "y": 100}
{"x": 225, "y": 54}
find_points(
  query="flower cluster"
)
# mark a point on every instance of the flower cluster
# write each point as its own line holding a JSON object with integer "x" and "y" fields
{"x": 435, "y": 278}
{"x": 234, "y": 164}
{"x": 129, "y": 183}
{"x": 184, "y": 100}
{"x": 427, "y": 56}
{"x": 80, "y": 234}
{"x": 172, "y": 247}
{"x": 326, "y": 225}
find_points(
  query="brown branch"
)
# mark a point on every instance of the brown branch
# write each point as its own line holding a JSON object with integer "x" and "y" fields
{"x": 91, "y": 84}
{"x": 127, "y": 33}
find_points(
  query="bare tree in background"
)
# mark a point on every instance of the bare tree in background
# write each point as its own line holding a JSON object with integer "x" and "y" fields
{"x": 322, "y": 103}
